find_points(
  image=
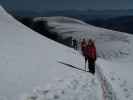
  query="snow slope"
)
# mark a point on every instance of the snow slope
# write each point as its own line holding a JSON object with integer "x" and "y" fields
{"x": 116, "y": 69}
{"x": 31, "y": 67}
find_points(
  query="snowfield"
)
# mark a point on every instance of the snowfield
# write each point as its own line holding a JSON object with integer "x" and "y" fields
{"x": 33, "y": 67}
{"x": 115, "y": 49}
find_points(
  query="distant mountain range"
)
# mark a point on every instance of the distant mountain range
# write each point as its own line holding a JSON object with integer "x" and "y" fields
{"x": 80, "y": 14}
{"x": 120, "y": 20}
{"x": 123, "y": 23}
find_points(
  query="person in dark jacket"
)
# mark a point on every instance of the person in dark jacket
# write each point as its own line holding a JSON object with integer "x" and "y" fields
{"x": 75, "y": 44}
{"x": 91, "y": 56}
{"x": 83, "y": 50}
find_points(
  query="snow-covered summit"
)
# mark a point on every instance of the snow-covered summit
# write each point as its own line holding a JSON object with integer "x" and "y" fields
{"x": 59, "y": 19}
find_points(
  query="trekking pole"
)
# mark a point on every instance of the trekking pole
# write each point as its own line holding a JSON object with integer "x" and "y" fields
{"x": 85, "y": 65}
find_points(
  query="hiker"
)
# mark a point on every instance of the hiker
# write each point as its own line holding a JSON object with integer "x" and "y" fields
{"x": 91, "y": 56}
{"x": 75, "y": 44}
{"x": 83, "y": 50}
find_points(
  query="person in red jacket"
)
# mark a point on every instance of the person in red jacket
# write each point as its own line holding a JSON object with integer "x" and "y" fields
{"x": 83, "y": 50}
{"x": 91, "y": 56}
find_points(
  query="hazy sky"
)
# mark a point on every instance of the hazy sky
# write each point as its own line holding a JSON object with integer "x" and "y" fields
{"x": 38, "y": 5}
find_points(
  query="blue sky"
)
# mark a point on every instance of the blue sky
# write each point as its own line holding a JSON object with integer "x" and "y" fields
{"x": 38, "y": 5}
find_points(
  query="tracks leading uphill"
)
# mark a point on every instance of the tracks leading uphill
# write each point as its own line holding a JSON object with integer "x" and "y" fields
{"x": 108, "y": 92}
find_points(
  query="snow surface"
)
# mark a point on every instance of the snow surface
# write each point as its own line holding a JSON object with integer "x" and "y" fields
{"x": 115, "y": 49}
{"x": 30, "y": 67}
{"x": 33, "y": 67}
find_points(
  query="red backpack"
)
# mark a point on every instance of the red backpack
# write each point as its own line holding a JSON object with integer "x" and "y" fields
{"x": 91, "y": 52}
